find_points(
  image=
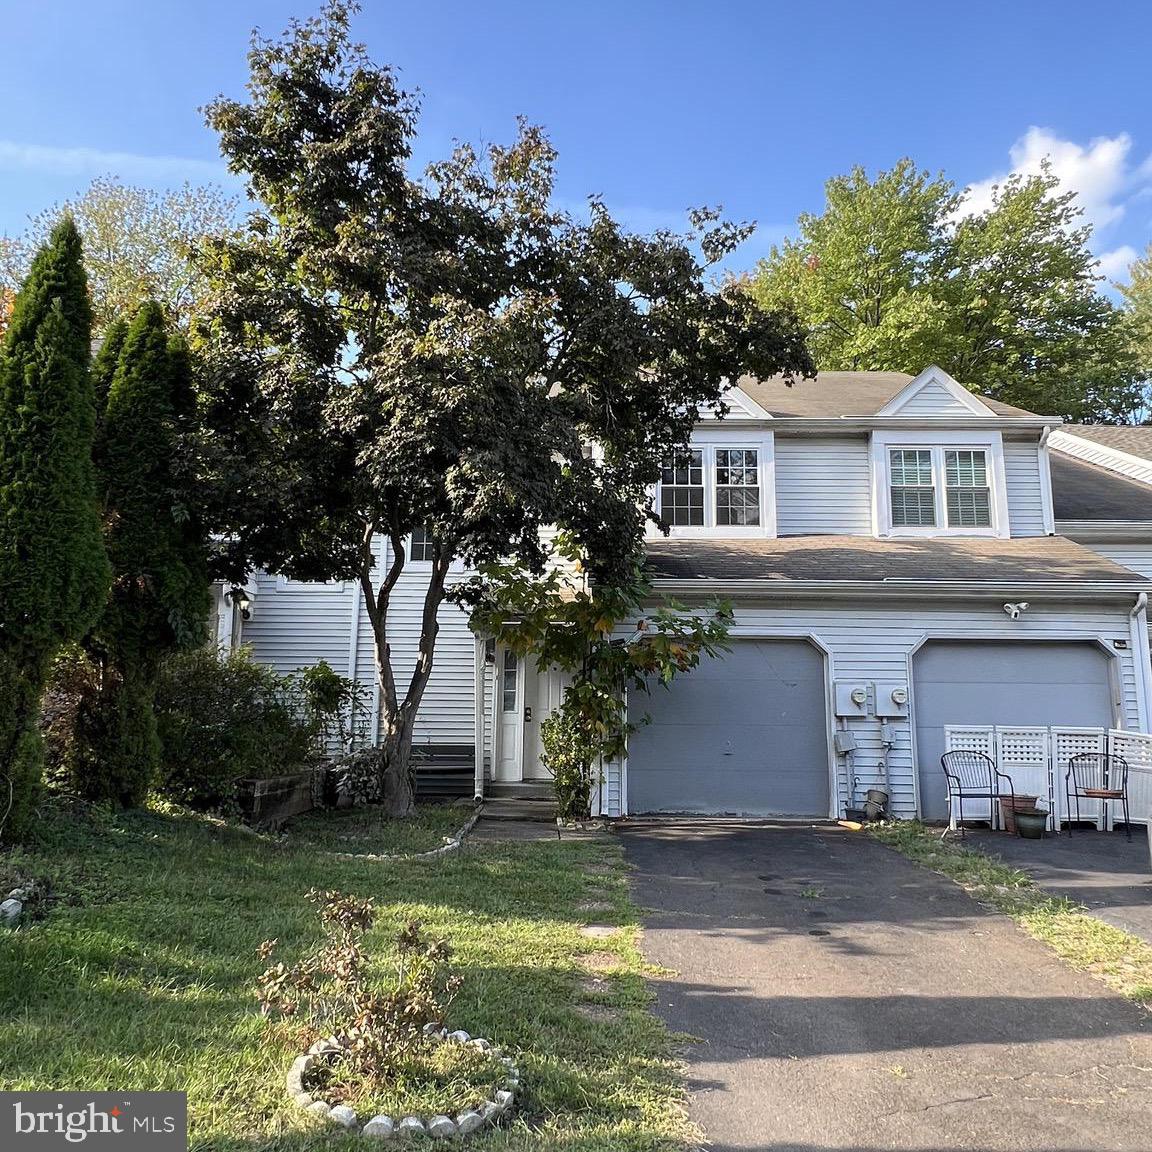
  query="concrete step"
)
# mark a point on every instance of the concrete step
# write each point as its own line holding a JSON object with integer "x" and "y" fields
{"x": 520, "y": 790}
{"x": 528, "y": 811}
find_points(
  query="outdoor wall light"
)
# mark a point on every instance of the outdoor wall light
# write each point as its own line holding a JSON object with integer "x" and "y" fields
{"x": 240, "y": 600}
{"x": 1014, "y": 610}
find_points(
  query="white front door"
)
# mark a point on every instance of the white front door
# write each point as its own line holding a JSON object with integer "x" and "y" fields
{"x": 510, "y": 712}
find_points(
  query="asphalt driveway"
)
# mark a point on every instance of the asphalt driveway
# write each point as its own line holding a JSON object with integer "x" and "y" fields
{"x": 846, "y": 999}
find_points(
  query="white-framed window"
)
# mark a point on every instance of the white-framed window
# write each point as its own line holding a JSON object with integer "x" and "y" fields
{"x": 968, "y": 495}
{"x": 682, "y": 490}
{"x": 422, "y": 547}
{"x": 956, "y": 486}
{"x": 720, "y": 487}
{"x": 911, "y": 488}
{"x": 287, "y": 584}
{"x": 509, "y": 681}
{"x": 737, "y": 487}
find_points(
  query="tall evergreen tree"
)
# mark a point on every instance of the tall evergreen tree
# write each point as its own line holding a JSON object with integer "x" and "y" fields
{"x": 156, "y": 546}
{"x": 53, "y": 568}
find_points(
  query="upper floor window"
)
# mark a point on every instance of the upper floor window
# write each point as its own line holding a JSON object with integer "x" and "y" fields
{"x": 422, "y": 547}
{"x": 966, "y": 487}
{"x": 682, "y": 490}
{"x": 917, "y": 477}
{"x": 737, "y": 486}
{"x": 913, "y": 491}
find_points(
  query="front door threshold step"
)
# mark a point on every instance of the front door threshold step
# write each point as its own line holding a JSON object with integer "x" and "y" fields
{"x": 535, "y": 811}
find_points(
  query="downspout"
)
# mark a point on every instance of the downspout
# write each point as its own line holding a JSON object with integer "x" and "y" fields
{"x": 353, "y": 660}
{"x": 1138, "y": 630}
{"x": 479, "y": 681}
{"x": 1047, "y": 511}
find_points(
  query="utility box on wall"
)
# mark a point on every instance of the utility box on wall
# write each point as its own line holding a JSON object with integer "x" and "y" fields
{"x": 891, "y": 698}
{"x": 851, "y": 698}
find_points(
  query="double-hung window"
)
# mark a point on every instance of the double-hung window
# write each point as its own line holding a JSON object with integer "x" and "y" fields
{"x": 939, "y": 487}
{"x": 682, "y": 490}
{"x": 422, "y": 546}
{"x": 968, "y": 495}
{"x": 737, "y": 487}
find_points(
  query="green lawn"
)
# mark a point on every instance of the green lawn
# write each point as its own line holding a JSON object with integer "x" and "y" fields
{"x": 1122, "y": 960}
{"x": 366, "y": 831}
{"x": 141, "y": 975}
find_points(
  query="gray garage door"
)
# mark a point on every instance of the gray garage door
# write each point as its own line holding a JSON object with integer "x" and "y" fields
{"x": 745, "y": 733}
{"x": 1010, "y": 683}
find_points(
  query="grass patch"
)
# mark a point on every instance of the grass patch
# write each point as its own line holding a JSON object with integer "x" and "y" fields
{"x": 142, "y": 976}
{"x": 1122, "y": 960}
{"x": 368, "y": 831}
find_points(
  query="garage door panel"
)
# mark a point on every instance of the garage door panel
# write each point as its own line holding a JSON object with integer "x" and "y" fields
{"x": 743, "y": 733}
{"x": 1018, "y": 683}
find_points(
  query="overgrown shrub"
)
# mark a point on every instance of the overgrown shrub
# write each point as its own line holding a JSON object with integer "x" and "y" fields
{"x": 329, "y": 997}
{"x": 225, "y": 718}
{"x": 568, "y": 755}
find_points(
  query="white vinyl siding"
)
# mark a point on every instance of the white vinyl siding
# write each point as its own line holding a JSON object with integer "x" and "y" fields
{"x": 869, "y": 642}
{"x": 934, "y": 400}
{"x": 823, "y": 487}
{"x": 1025, "y": 488}
{"x": 1136, "y": 556}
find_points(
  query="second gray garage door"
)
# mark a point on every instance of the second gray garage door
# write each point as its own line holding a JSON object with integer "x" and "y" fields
{"x": 743, "y": 734}
{"x": 1012, "y": 683}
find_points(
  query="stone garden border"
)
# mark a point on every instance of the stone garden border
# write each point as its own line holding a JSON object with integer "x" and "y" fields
{"x": 382, "y": 1127}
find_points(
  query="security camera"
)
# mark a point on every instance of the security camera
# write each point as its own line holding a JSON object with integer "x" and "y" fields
{"x": 1014, "y": 610}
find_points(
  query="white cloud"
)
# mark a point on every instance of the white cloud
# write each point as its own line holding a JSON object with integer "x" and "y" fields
{"x": 92, "y": 161}
{"x": 1114, "y": 265}
{"x": 1099, "y": 172}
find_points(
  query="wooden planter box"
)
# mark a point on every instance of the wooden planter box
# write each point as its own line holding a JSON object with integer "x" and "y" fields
{"x": 278, "y": 798}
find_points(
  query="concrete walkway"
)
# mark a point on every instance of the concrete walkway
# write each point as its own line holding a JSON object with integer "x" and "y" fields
{"x": 846, "y": 999}
{"x": 1107, "y": 873}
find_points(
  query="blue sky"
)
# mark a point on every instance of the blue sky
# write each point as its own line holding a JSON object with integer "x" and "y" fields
{"x": 656, "y": 106}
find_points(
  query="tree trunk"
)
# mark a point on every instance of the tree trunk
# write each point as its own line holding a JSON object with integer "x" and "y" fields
{"x": 398, "y": 718}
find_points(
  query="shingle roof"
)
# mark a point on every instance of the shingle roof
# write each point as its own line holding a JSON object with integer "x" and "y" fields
{"x": 834, "y": 394}
{"x": 1136, "y": 441}
{"x": 855, "y": 558}
{"x": 1083, "y": 491}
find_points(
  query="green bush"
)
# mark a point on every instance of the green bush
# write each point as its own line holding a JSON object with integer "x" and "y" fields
{"x": 568, "y": 756}
{"x": 224, "y": 718}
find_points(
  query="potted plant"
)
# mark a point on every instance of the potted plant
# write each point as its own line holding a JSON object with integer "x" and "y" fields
{"x": 1010, "y": 805}
{"x": 1031, "y": 822}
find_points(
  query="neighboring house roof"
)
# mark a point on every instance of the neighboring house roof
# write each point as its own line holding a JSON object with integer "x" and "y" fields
{"x": 1083, "y": 491}
{"x": 1042, "y": 559}
{"x": 839, "y": 394}
{"x": 1134, "y": 440}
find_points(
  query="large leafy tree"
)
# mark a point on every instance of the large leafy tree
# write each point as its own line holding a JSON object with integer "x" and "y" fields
{"x": 1138, "y": 297}
{"x": 157, "y": 549}
{"x": 392, "y": 352}
{"x": 53, "y": 568}
{"x": 897, "y": 273}
{"x": 138, "y": 245}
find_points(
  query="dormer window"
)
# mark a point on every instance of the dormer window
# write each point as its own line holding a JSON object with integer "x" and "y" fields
{"x": 422, "y": 547}
{"x": 950, "y": 487}
{"x": 682, "y": 490}
{"x": 968, "y": 493}
{"x": 737, "y": 487}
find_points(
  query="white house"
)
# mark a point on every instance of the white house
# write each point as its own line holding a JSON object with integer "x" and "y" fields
{"x": 891, "y": 549}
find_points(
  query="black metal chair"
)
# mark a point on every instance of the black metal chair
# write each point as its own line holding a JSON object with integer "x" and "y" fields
{"x": 974, "y": 776}
{"x": 1098, "y": 776}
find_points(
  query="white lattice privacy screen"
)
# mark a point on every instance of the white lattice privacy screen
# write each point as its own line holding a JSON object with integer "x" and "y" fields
{"x": 1037, "y": 760}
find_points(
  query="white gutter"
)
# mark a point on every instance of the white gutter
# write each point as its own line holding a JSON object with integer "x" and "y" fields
{"x": 825, "y": 425}
{"x": 1138, "y": 629}
{"x": 889, "y": 589}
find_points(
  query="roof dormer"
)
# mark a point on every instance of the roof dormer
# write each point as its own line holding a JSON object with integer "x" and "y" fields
{"x": 935, "y": 394}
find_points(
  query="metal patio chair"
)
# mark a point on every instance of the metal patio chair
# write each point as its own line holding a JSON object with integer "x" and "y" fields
{"x": 974, "y": 776}
{"x": 1100, "y": 776}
